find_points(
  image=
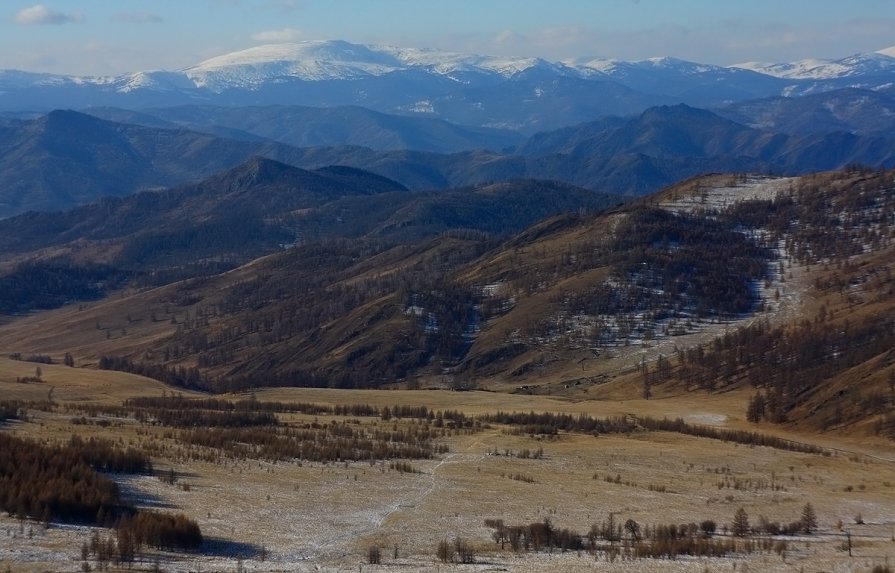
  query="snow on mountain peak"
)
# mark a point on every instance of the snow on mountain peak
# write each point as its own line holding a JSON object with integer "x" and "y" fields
{"x": 334, "y": 60}
{"x": 814, "y": 69}
{"x": 256, "y": 68}
{"x": 451, "y": 62}
{"x": 311, "y": 60}
{"x": 319, "y": 51}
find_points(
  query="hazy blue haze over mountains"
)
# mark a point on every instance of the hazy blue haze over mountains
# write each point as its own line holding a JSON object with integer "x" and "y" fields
{"x": 600, "y": 124}
{"x": 67, "y": 158}
{"x": 526, "y": 94}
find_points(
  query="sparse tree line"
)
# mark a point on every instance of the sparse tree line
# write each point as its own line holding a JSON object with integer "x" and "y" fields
{"x": 331, "y": 442}
{"x": 534, "y": 423}
{"x": 149, "y": 404}
{"x": 189, "y": 378}
{"x": 614, "y": 538}
{"x": 205, "y": 418}
{"x": 39, "y": 358}
{"x": 269, "y": 441}
{"x": 178, "y": 402}
{"x": 548, "y": 424}
{"x": 727, "y": 435}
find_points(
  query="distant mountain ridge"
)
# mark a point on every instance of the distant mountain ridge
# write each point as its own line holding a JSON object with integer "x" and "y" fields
{"x": 304, "y": 126}
{"x": 526, "y": 94}
{"x": 263, "y": 206}
{"x": 67, "y": 158}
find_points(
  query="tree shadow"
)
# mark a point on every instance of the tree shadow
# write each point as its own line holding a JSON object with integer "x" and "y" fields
{"x": 219, "y": 547}
{"x": 133, "y": 494}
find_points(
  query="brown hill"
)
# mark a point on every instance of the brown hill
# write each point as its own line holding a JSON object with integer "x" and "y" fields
{"x": 783, "y": 286}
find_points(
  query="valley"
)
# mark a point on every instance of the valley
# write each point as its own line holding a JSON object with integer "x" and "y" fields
{"x": 262, "y": 515}
{"x": 314, "y": 305}
{"x": 488, "y": 472}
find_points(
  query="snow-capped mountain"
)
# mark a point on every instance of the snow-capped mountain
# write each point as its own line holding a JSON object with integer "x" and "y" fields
{"x": 856, "y": 66}
{"x": 520, "y": 93}
{"x": 338, "y": 60}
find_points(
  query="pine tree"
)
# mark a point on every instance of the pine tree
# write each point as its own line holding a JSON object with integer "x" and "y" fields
{"x": 809, "y": 518}
{"x": 740, "y": 523}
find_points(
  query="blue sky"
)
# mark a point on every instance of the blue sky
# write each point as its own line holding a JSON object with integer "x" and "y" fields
{"x": 116, "y": 36}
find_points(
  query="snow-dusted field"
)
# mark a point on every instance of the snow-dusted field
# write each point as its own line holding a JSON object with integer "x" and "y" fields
{"x": 260, "y": 516}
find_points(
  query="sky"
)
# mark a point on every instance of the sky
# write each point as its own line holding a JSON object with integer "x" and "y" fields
{"x": 108, "y": 37}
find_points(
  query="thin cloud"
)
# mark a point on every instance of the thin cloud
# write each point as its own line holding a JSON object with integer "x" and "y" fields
{"x": 278, "y": 36}
{"x": 287, "y": 6}
{"x": 137, "y": 18}
{"x": 40, "y": 15}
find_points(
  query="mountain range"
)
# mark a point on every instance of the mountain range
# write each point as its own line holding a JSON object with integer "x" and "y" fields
{"x": 261, "y": 207}
{"x": 67, "y": 158}
{"x": 523, "y": 94}
{"x": 442, "y": 220}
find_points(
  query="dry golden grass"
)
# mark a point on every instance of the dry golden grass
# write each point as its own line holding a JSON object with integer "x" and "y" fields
{"x": 73, "y": 384}
{"x": 309, "y": 515}
{"x": 325, "y": 516}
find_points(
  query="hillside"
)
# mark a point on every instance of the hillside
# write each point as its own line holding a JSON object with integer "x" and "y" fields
{"x": 858, "y": 111}
{"x": 621, "y": 303}
{"x": 257, "y": 208}
{"x": 303, "y": 126}
{"x": 66, "y": 159}
{"x": 681, "y": 134}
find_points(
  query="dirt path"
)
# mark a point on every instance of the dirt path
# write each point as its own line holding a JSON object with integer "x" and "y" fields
{"x": 413, "y": 498}
{"x": 433, "y": 476}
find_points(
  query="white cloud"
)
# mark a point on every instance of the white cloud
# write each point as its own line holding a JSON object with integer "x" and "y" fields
{"x": 137, "y": 18}
{"x": 39, "y": 15}
{"x": 278, "y": 36}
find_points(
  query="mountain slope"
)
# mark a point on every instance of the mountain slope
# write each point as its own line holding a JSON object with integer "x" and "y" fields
{"x": 262, "y": 207}
{"x": 66, "y": 158}
{"x": 157, "y": 237}
{"x": 863, "y": 112}
{"x": 732, "y": 277}
{"x": 675, "y": 133}
{"x": 303, "y": 126}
